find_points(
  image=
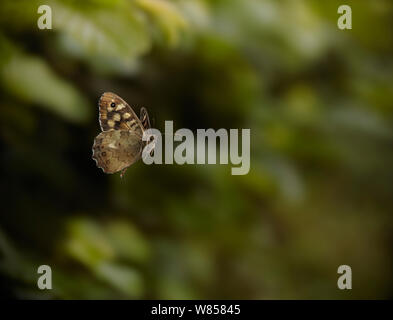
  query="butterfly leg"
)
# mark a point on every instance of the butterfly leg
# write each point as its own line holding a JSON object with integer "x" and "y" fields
{"x": 123, "y": 172}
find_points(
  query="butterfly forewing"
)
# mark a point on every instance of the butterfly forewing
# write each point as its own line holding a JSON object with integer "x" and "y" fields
{"x": 145, "y": 119}
{"x": 116, "y": 114}
{"x": 146, "y": 125}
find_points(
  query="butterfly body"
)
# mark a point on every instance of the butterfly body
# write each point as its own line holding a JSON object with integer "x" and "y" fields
{"x": 120, "y": 143}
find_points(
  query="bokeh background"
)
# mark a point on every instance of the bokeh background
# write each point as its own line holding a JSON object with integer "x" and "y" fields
{"x": 319, "y": 192}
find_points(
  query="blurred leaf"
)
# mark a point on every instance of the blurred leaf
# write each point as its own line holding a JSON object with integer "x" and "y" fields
{"x": 127, "y": 241}
{"x": 168, "y": 17}
{"x": 31, "y": 79}
{"x": 117, "y": 33}
{"x": 86, "y": 242}
{"x": 122, "y": 278}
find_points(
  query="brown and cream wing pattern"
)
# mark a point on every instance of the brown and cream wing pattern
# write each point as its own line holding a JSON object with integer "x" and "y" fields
{"x": 115, "y": 150}
{"x": 115, "y": 113}
{"x": 145, "y": 118}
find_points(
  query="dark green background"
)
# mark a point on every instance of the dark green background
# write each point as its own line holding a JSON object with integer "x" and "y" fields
{"x": 319, "y": 192}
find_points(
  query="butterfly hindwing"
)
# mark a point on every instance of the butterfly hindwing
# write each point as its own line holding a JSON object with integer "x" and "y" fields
{"x": 115, "y": 113}
{"x": 115, "y": 150}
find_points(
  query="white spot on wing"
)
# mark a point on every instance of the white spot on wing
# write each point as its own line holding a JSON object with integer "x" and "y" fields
{"x": 120, "y": 107}
{"x": 112, "y": 145}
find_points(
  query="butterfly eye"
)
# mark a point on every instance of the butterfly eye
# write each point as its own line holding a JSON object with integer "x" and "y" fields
{"x": 113, "y": 104}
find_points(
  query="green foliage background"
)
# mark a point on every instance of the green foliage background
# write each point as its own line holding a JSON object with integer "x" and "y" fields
{"x": 319, "y": 193}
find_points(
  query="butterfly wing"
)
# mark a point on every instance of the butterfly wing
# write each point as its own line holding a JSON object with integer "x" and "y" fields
{"x": 115, "y": 150}
{"x": 146, "y": 125}
{"x": 115, "y": 113}
{"x": 145, "y": 119}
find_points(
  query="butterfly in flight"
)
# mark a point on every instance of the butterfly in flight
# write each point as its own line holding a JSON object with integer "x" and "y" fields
{"x": 120, "y": 143}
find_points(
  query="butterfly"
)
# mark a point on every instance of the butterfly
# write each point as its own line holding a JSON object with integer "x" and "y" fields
{"x": 120, "y": 144}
